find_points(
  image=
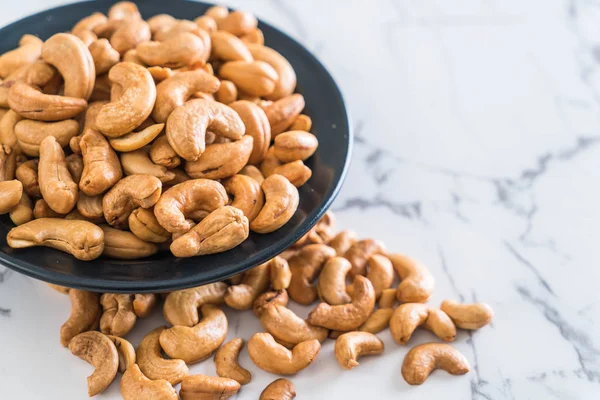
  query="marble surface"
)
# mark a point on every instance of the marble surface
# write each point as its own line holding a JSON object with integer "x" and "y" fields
{"x": 477, "y": 136}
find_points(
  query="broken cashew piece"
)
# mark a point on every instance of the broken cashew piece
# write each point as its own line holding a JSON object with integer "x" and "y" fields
{"x": 135, "y": 385}
{"x": 281, "y": 202}
{"x": 407, "y": 317}
{"x": 118, "y": 317}
{"x": 125, "y": 351}
{"x": 136, "y": 140}
{"x": 255, "y": 282}
{"x": 129, "y": 193}
{"x": 351, "y": 345}
{"x": 269, "y": 299}
{"x": 56, "y": 184}
{"x": 196, "y": 387}
{"x": 152, "y": 363}
{"x": 227, "y": 364}
{"x": 286, "y": 326}
{"x": 272, "y": 357}
{"x": 279, "y": 389}
{"x": 332, "y": 281}
{"x": 181, "y": 306}
{"x": 423, "y": 359}
{"x": 417, "y": 282}
{"x": 85, "y": 313}
{"x": 306, "y": 266}
{"x": 468, "y": 316}
{"x": 100, "y": 351}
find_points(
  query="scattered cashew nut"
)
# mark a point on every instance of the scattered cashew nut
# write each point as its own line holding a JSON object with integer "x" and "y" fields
{"x": 351, "y": 345}
{"x": 272, "y": 357}
{"x": 423, "y": 359}
{"x": 227, "y": 364}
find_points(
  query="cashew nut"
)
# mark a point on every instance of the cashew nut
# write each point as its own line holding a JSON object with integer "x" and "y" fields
{"x": 423, "y": 359}
{"x": 246, "y": 194}
{"x": 286, "y": 326}
{"x": 73, "y": 60}
{"x": 98, "y": 350}
{"x": 125, "y": 10}
{"x": 348, "y": 316}
{"x": 181, "y": 306}
{"x": 129, "y": 193}
{"x": 138, "y": 93}
{"x": 322, "y": 232}
{"x": 152, "y": 363}
{"x": 295, "y": 145}
{"x": 187, "y": 126}
{"x": 269, "y": 299}
{"x": 407, "y": 317}
{"x": 75, "y": 167}
{"x": 8, "y": 136}
{"x": 104, "y": 55}
{"x": 217, "y": 12}
{"x": 196, "y": 387}
{"x": 281, "y": 202}
{"x": 194, "y": 344}
{"x": 226, "y": 361}
{"x": 138, "y": 162}
{"x": 162, "y": 153}
{"x": 177, "y": 50}
{"x": 145, "y": 226}
{"x": 253, "y": 172}
{"x": 279, "y": 389}
{"x": 237, "y": 22}
{"x": 90, "y": 207}
{"x": 380, "y": 273}
{"x": 255, "y": 282}
{"x": 417, "y": 282}
{"x": 387, "y": 298}
{"x": 124, "y": 245}
{"x": 302, "y": 123}
{"x": 182, "y": 200}
{"x": 31, "y": 103}
{"x": 295, "y": 172}
{"x": 27, "y": 174}
{"x": 206, "y": 23}
{"x": 283, "y": 112}
{"x": 10, "y": 195}
{"x": 56, "y": 185}
{"x": 160, "y": 22}
{"x": 31, "y": 133}
{"x": 227, "y": 93}
{"x": 221, "y": 160}
{"x": 101, "y": 167}
{"x": 332, "y": 281}
{"x": 468, "y": 316}
{"x": 281, "y": 275}
{"x": 8, "y": 163}
{"x": 135, "y": 386}
{"x": 257, "y": 126}
{"x": 358, "y": 254}
{"x": 272, "y": 357}
{"x": 29, "y": 50}
{"x": 143, "y": 304}
{"x": 42, "y": 210}
{"x": 256, "y": 78}
{"x": 228, "y": 47}
{"x": 306, "y": 266}
{"x": 85, "y": 314}
{"x": 125, "y": 351}
{"x": 118, "y": 317}
{"x": 90, "y": 22}
{"x": 378, "y": 321}
{"x": 136, "y": 140}
{"x": 287, "y": 77}
{"x": 351, "y": 345}
{"x": 180, "y": 26}
{"x": 23, "y": 211}
{"x": 130, "y": 34}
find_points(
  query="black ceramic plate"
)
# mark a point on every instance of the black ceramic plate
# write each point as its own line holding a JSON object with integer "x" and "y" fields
{"x": 164, "y": 272}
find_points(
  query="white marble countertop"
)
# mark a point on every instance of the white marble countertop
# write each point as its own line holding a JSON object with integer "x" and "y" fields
{"x": 477, "y": 130}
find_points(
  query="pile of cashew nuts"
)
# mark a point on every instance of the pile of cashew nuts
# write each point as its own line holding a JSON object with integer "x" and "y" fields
{"x": 358, "y": 284}
{"x": 126, "y": 136}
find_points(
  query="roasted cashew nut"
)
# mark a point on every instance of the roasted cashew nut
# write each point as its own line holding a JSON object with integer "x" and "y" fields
{"x": 281, "y": 202}
{"x": 255, "y": 282}
{"x": 29, "y": 50}
{"x": 143, "y": 304}
{"x": 256, "y": 78}
{"x": 378, "y": 321}
{"x": 118, "y": 317}
{"x": 295, "y": 172}
{"x": 272, "y": 357}
{"x": 89, "y": 23}
{"x": 295, "y": 145}
{"x": 124, "y": 245}
{"x": 27, "y": 174}
{"x": 269, "y": 299}
{"x": 247, "y": 196}
{"x": 75, "y": 167}
{"x": 207, "y": 387}
{"x": 194, "y": 344}
{"x": 283, "y": 112}
{"x": 237, "y": 23}
{"x": 228, "y": 47}
{"x": 73, "y": 60}
{"x": 152, "y": 363}
{"x": 125, "y": 10}
{"x": 8, "y": 136}
{"x": 56, "y": 185}
{"x": 8, "y": 163}
{"x": 281, "y": 275}
{"x": 409, "y": 316}
{"x": 136, "y": 140}
{"x": 129, "y": 193}
{"x": 187, "y": 126}
{"x": 42, "y": 210}
{"x": 286, "y": 326}
{"x": 162, "y": 153}
{"x": 417, "y": 282}
{"x": 227, "y": 364}
{"x": 179, "y": 50}
{"x": 302, "y": 123}
{"x": 221, "y": 160}
{"x": 181, "y": 306}
{"x": 358, "y": 254}
{"x": 129, "y": 35}
{"x": 10, "y": 195}
{"x": 100, "y": 351}
{"x": 279, "y": 389}
{"x": 257, "y": 126}
{"x": 23, "y": 211}
{"x": 253, "y": 172}
{"x": 227, "y": 93}
{"x": 287, "y": 77}
{"x": 468, "y": 316}
{"x": 31, "y": 133}
{"x": 125, "y": 351}
{"x": 423, "y": 359}
{"x": 85, "y": 313}
{"x": 306, "y": 266}
{"x": 104, "y": 55}
{"x": 182, "y": 200}
{"x": 332, "y": 281}
{"x": 135, "y": 386}
{"x": 351, "y": 345}
{"x": 160, "y": 22}
{"x": 30, "y": 102}
{"x": 348, "y": 316}
{"x": 90, "y": 207}
{"x": 138, "y": 93}
{"x": 139, "y": 162}
{"x": 145, "y": 226}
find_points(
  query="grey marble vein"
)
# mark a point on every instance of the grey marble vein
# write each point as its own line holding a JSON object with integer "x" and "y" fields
{"x": 523, "y": 261}
{"x": 5, "y": 312}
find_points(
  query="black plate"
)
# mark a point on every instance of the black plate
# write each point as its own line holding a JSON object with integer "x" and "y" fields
{"x": 164, "y": 272}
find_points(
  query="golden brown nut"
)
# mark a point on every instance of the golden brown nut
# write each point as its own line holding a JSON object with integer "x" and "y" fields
{"x": 423, "y": 359}
{"x": 29, "y": 50}
{"x": 134, "y": 386}
{"x": 124, "y": 245}
{"x": 152, "y": 363}
{"x": 256, "y": 78}
{"x": 126, "y": 353}
{"x": 283, "y": 112}
{"x": 207, "y": 23}
{"x": 306, "y": 266}
{"x": 358, "y": 254}
{"x": 228, "y": 47}
{"x": 129, "y": 193}
{"x": 468, "y": 316}
{"x": 281, "y": 202}
{"x": 351, "y": 345}
{"x": 221, "y": 230}
{"x": 31, "y": 103}
{"x": 295, "y": 145}
{"x": 8, "y": 163}
{"x": 56, "y": 185}
{"x": 42, "y": 210}
{"x": 125, "y": 10}
{"x": 7, "y": 130}
{"x": 378, "y": 321}
{"x": 144, "y": 225}
{"x": 281, "y": 275}
{"x": 381, "y": 273}
{"x": 217, "y": 12}
{"x": 26, "y": 173}
{"x": 416, "y": 284}
{"x": 85, "y": 313}
{"x": 302, "y": 123}
{"x": 227, "y": 92}
{"x": 177, "y": 50}
{"x": 10, "y": 195}
{"x": 332, "y": 281}
{"x": 387, "y": 298}
{"x": 143, "y": 304}
{"x": 410, "y": 316}
{"x": 221, "y": 160}
{"x": 246, "y": 195}
{"x": 181, "y": 306}
{"x": 237, "y": 22}
{"x": 90, "y": 207}
{"x": 279, "y": 389}
{"x": 31, "y": 133}
{"x": 90, "y": 22}
{"x": 129, "y": 35}
{"x": 136, "y": 140}
{"x": 253, "y": 172}
{"x": 295, "y": 172}
{"x": 180, "y": 26}
{"x": 287, "y": 77}
{"x": 162, "y": 153}
{"x": 104, "y": 55}
{"x": 286, "y": 326}
{"x": 22, "y": 212}
{"x": 118, "y": 317}
{"x": 272, "y": 357}
{"x": 160, "y": 22}
{"x": 196, "y": 387}
{"x": 101, "y": 167}
{"x": 75, "y": 167}
{"x": 139, "y": 162}
{"x": 255, "y": 282}
{"x": 269, "y": 299}
{"x": 322, "y": 232}
{"x": 257, "y": 126}
{"x": 227, "y": 364}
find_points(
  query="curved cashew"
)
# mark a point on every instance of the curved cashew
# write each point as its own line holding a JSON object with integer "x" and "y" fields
{"x": 380, "y": 273}
{"x": 175, "y": 91}
{"x": 423, "y": 359}
{"x": 118, "y": 317}
{"x": 227, "y": 93}
{"x": 306, "y": 266}
{"x": 85, "y": 313}
{"x": 129, "y": 35}
{"x": 378, "y": 321}
{"x": 100, "y": 351}
{"x": 237, "y": 22}
{"x": 179, "y": 202}
{"x": 8, "y": 163}
{"x": 257, "y": 126}
{"x": 134, "y": 386}
{"x": 228, "y": 47}
{"x": 23, "y": 211}
{"x": 10, "y": 195}
{"x": 295, "y": 172}
{"x": 129, "y": 193}
{"x": 138, "y": 162}
{"x": 178, "y": 50}
{"x": 31, "y": 133}
{"x": 295, "y": 145}
{"x": 322, "y": 232}
{"x": 253, "y": 172}
{"x": 75, "y": 167}
{"x": 351, "y": 345}
{"x": 133, "y": 106}
{"x": 42, "y": 210}
{"x": 217, "y": 12}
{"x": 281, "y": 202}
{"x": 358, "y": 254}
{"x": 281, "y": 275}
{"x": 387, "y": 298}
{"x": 125, "y": 351}
{"x": 283, "y": 112}
{"x": 90, "y": 22}
{"x": 221, "y": 160}
{"x": 159, "y": 74}
{"x": 286, "y": 326}
{"x": 417, "y": 282}
{"x": 269, "y": 299}
{"x": 104, "y": 55}
{"x": 302, "y": 123}
{"x": 187, "y": 126}
{"x": 255, "y": 282}
{"x": 89, "y": 118}
{"x": 348, "y": 316}
{"x": 207, "y": 387}
{"x": 287, "y": 77}
{"x": 279, "y": 389}
{"x": 226, "y": 361}
{"x": 143, "y": 304}
{"x": 125, "y": 10}
{"x": 145, "y": 226}
{"x": 90, "y": 207}
{"x": 270, "y": 356}
{"x": 87, "y": 37}
{"x": 246, "y": 194}
{"x": 31, "y": 103}
{"x": 181, "y": 306}
{"x": 160, "y": 22}
{"x": 180, "y": 26}
{"x": 409, "y": 316}
{"x": 198, "y": 342}
{"x": 73, "y": 60}
{"x": 152, "y": 363}
{"x": 101, "y": 167}
{"x": 124, "y": 245}
{"x": 29, "y": 50}
{"x": 27, "y": 173}
{"x": 332, "y": 281}
{"x": 468, "y": 316}
{"x": 7, "y": 130}
{"x": 162, "y": 153}
{"x": 206, "y": 23}
{"x": 136, "y": 140}
{"x": 56, "y": 185}
{"x": 256, "y": 78}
